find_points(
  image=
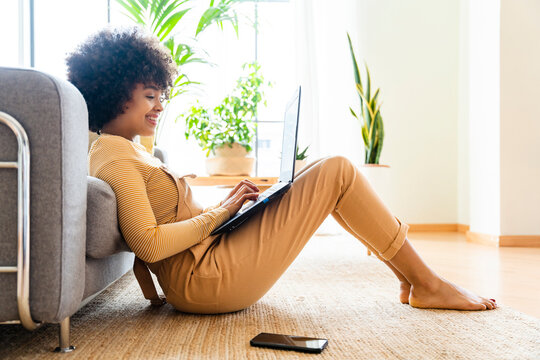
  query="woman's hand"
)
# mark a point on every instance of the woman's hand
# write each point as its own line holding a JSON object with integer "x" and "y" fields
{"x": 244, "y": 190}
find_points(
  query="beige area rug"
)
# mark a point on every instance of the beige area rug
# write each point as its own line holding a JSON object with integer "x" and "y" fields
{"x": 332, "y": 290}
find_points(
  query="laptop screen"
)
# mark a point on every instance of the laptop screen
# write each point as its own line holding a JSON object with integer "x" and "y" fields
{"x": 290, "y": 131}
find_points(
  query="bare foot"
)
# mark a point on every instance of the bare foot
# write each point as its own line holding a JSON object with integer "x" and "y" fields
{"x": 404, "y": 292}
{"x": 442, "y": 294}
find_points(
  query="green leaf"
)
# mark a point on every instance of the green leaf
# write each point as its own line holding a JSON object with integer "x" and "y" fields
{"x": 218, "y": 14}
{"x": 373, "y": 101}
{"x": 380, "y": 137}
{"x": 169, "y": 25}
{"x": 368, "y": 83}
{"x": 161, "y": 12}
{"x": 365, "y": 136}
{"x": 134, "y": 8}
{"x": 353, "y": 113}
{"x": 357, "y": 78}
{"x": 209, "y": 16}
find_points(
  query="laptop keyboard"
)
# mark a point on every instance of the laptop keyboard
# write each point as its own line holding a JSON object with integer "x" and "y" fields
{"x": 261, "y": 196}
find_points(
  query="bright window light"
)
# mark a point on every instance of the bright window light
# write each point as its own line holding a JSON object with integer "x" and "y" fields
{"x": 9, "y": 33}
{"x": 60, "y": 25}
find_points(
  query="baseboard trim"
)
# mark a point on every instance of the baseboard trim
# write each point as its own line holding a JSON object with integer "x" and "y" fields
{"x": 483, "y": 239}
{"x": 504, "y": 240}
{"x": 438, "y": 228}
{"x": 519, "y": 240}
{"x": 480, "y": 238}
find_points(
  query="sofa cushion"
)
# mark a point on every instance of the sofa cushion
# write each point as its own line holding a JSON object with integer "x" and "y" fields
{"x": 103, "y": 237}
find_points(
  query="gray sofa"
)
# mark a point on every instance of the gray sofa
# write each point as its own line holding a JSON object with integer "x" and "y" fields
{"x": 74, "y": 244}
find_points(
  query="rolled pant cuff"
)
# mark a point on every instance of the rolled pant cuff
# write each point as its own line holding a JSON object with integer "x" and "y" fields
{"x": 397, "y": 243}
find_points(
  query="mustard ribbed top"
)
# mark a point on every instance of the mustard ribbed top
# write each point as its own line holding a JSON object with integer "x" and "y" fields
{"x": 157, "y": 214}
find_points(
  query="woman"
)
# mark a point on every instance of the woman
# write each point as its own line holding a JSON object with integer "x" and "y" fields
{"x": 124, "y": 75}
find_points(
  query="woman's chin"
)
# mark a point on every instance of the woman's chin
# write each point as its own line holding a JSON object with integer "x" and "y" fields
{"x": 148, "y": 133}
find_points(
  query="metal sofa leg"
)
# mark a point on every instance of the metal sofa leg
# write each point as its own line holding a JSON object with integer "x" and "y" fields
{"x": 64, "y": 337}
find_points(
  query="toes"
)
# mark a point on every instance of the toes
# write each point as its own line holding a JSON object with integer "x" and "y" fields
{"x": 481, "y": 306}
{"x": 492, "y": 304}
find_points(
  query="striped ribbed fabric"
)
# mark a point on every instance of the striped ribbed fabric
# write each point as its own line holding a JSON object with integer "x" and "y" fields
{"x": 148, "y": 199}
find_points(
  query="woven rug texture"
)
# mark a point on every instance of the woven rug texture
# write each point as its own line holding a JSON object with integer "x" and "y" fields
{"x": 333, "y": 290}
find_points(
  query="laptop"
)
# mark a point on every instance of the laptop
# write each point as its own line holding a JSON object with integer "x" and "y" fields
{"x": 286, "y": 176}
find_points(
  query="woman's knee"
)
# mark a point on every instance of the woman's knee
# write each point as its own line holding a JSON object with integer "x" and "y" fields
{"x": 342, "y": 172}
{"x": 338, "y": 165}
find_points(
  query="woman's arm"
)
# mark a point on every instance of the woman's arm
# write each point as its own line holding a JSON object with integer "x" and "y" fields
{"x": 210, "y": 208}
{"x": 148, "y": 240}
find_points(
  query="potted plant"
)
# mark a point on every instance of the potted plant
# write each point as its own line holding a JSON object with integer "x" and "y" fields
{"x": 300, "y": 161}
{"x": 371, "y": 123}
{"x": 162, "y": 18}
{"x": 227, "y": 131}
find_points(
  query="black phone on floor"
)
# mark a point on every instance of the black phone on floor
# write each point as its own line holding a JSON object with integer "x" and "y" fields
{"x": 289, "y": 342}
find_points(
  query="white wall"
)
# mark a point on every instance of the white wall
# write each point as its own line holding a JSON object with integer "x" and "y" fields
{"x": 463, "y": 214}
{"x": 520, "y": 117}
{"x": 412, "y": 49}
{"x": 484, "y": 152}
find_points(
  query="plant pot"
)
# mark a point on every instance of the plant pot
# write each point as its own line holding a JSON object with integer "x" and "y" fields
{"x": 380, "y": 178}
{"x": 230, "y": 162}
{"x": 299, "y": 165}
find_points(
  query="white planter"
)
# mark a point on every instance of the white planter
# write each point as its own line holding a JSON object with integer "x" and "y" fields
{"x": 230, "y": 162}
{"x": 380, "y": 178}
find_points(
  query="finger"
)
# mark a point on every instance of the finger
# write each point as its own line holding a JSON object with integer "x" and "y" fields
{"x": 250, "y": 184}
{"x": 247, "y": 189}
{"x": 236, "y": 188}
{"x": 240, "y": 194}
{"x": 251, "y": 196}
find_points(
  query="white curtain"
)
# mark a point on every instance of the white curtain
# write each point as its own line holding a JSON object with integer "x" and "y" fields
{"x": 324, "y": 68}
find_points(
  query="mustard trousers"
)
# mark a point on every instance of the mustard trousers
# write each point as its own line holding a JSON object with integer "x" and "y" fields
{"x": 233, "y": 270}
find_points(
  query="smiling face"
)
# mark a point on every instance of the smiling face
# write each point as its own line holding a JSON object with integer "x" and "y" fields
{"x": 140, "y": 114}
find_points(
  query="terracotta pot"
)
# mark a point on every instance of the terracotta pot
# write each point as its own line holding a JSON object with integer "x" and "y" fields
{"x": 230, "y": 161}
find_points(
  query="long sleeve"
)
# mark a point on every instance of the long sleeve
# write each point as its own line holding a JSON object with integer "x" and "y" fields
{"x": 148, "y": 240}
{"x": 210, "y": 208}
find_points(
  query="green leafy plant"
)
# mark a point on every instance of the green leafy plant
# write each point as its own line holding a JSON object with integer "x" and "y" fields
{"x": 301, "y": 155}
{"x": 231, "y": 121}
{"x": 162, "y": 17}
{"x": 370, "y": 116}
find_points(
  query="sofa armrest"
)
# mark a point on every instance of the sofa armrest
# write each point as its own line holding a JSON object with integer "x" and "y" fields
{"x": 103, "y": 237}
{"x": 161, "y": 155}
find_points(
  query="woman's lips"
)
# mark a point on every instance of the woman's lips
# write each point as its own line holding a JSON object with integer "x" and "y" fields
{"x": 152, "y": 120}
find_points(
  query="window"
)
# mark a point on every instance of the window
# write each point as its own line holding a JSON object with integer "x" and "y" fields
{"x": 276, "y": 54}
{"x": 42, "y": 33}
{"x": 60, "y": 25}
{"x": 272, "y": 47}
{"x": 12, "y": 34}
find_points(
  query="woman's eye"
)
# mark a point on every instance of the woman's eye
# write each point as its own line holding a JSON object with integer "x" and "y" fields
{"x": 150, "y": 97}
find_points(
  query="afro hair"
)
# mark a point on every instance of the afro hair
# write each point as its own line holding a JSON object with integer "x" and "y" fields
{"x": 107, "y": 67}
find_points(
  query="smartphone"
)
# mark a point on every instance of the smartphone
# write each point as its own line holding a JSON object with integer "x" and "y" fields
{"x": 289, "y": 342}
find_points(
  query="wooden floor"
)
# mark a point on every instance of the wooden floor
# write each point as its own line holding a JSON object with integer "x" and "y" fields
{"x": 509, "y": 275}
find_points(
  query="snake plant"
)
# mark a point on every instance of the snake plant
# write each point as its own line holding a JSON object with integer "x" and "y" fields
{"x": 370, "y": 117}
